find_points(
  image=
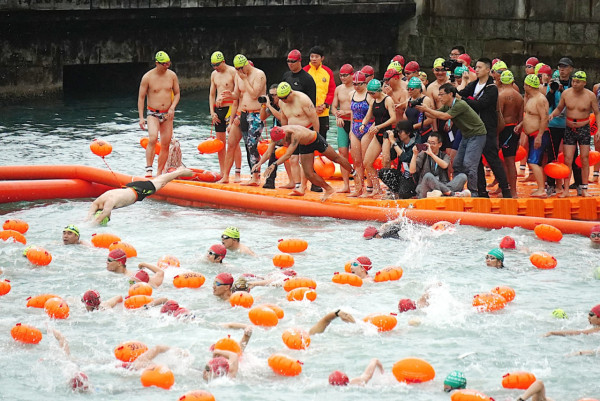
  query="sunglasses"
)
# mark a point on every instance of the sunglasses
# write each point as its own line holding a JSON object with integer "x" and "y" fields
{"x": 225, "y": 236}
{"x": 358, "y": 83}
{"x": 490, "y": 257}
{"x": 111, "y": 260}
{"x": 439, "y": 70}
{"x": 213, "y": 254}
{"x": 595, "y": 235}
{"x": 592, "y": 314}
{"x": 239, "y": 68}
{"x": 284, "y": 97}
{"x": 433, "y": 143}
{"x": 168, "y": 63}
{"x": 368, "y": 75}
{"x": 216, "y": 65}
{"x": 217, "y": 284}
{"x": 290, "y": 61}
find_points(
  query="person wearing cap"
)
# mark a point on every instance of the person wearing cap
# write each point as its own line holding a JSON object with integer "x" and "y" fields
{"x": 161, "y": 88}
{"x": 226, "y": 363}
{"x": 216, "y": 253}
{"x": 116, "y": 263}
{"x": 70, "y": 236}
{"x": 579, "y": 102}
{"x": 396, "y": 88}
{"x": 421, "y": 125}
{"x": 300, "y": 80}
{"x": 369, "y": 73}
{"x": 135, "y": 191}
{"x": 359, "y": 106}
{"x": 154, "y": 280}
{"x": 222, "y": 79}
{"x": 343, "y": 115}
{"x": 391, "y": 229}
{"x": 250, "y": 84}
{"x": 91, "y": 301}
{"x": 231, "y": 241}
{"x": 495, "y": 258}
{"x": 337, "y": 378}
{"x": 595, "y": 235}
{"x": 222, "y": 286}
{"x": 411, "y": 70}
{"x": 530, "y": 65}
{"x": 441, "y": 77}
{"x": 454, "y": 381}
{"x": 593, "y": 319}
{"x": 510, "y": 104}
{"x": 361, "y": 268}
{"x": 79, "y": 382}
{"x": 398, "y": 145}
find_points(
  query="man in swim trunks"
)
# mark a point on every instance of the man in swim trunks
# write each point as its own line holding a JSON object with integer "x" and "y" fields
{"x": 231, "y": 241}
{"x": 250, "y": 83}
{"x": 223, "y": 79}
{"x": 593, "y": 319}
{"x": 222, "y": 286}
{"x": 135, "y": 191}
{"x": 341, "y": 106}
{"x": 161, "y": 86}
{"x": 70, "y": 236}
{"x": 580, "y": 102}
{"x": 91, "y": 300}
{"x": 297, "y": 136}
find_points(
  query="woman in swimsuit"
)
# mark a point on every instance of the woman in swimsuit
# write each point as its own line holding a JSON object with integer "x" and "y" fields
{"x": 359, "y": 107}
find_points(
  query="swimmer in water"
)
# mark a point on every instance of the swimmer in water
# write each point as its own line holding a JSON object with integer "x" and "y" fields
{"x": 337, "y": 378}
{"x": 361, "y": 266}
{"x": 79, "y": 382}
{"x": 70, "y": 236}
{"x": 91, "y": 300}
{"x": 134, "y": 191}
{"x": 593, "y": 319}
{"x": 495, "y": 258}
{"x": 391, "y": 229}
{"x": 216, "y": 253}
{"x": 226, "y": 363}
{"x": 222, "y": 286}
{"x": 595, "y": 235}
{"x": 454, "y": 381}
{"x": 231, "y": 240}
{"x": 326, "y": 320}
{"x": 116, "y": 263}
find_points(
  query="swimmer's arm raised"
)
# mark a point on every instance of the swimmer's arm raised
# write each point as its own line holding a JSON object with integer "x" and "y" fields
{"x": 62, "y": 341}
{"x": 144, "y": 360}
{"x": 368, "y": 373}
{"x": 159, "y": 275}
{"x": 112, "y": 302}
{"x": 246, "y": 337}
{"x": 233, "y": 359}
{"x": 322, "y": 324}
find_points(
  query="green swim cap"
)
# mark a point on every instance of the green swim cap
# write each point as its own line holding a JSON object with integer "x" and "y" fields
{"x": 27, "y": 249}
{"x": 580, "y": 75}
{"x": 239, "y": 61}
{"x": 162, "y": 57}
{"x": 507, "y": 77}
{"x": 597, "y": 273}
{"x": 559, "y": 314}
{"x": 104, "y": 220}
{"x": 217, "y": 57}
{"x": 459, "y": 71}
{"x": 415, "y": 83}
{"x": 394, "y": 65}
{"x": 283, "y": 89}
{"x": 72, "y": 229}
{"x": 232, "y": 232}
{"x": 500, "y": 65}
{"x": 532, "y": 80}
{"x": 497, "y": 253}
{"x": 555, "y": 75}
{"x": 374, "y": 86}
{"x": 438, "y": 62}
{"x": 456, "y": 379}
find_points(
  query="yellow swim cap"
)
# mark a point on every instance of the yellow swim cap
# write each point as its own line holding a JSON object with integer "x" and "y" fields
{"x": 438, "y": 62}
{"x": 532, "y": 80}
{"x": 232, "y": 232}
{"x": 537, "y": 67}
{"x": 500, "y": 65}
{"x": 217, "y": 57}
{"x": 283, "y": 89}
{"x": 507, "y": 77}
{"x": 580, "y": 75}
{"x": 394, "y": 65}
{"x": 162, "y": 57}
{"x": 239, "y": 61}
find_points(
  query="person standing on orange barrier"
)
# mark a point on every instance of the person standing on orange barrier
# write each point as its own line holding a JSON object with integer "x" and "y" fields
{"x": 161, "y": 86}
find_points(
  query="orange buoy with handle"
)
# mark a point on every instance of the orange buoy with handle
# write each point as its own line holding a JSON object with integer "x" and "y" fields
{"x": 392, "y": 273}
{"x": 57, "y": 308}
{"x": 520, "y": 380}
{"x": 284, "y": 365}
{"x": 140, "y": 289}
{"x": 38, "y": 256}
{"x": 383, "y": 322}
{"x": 413, "y": 370}
{"x": 302, "y": 293}
{"x": 136, "y": 301}
{"x": 100, "y": 148}
{"x": 543, "y": 260}
{"x": 547, "y": 232}
{"x": 168, "y": 261}
{"x": 506, "y": 292}
{"x": 39, "y": 301}
{"x": 189, "y": 280}
{"x": 104, "y": 240}
{"x": 159, "y": 376}
{"x": 125, "y": 247}
{"x": 26, "y": 334}
{"x": 262, "y": 147}
{"x": 296, "y": 282}
{"x": 228, "y": 344}
{"x": 197, "y": 395}
{"x": 241, "y": 298}
{"x": 130, "y": 350}
{"x": 144, "y": 142}
{"x": 263, "y": 316}
{"x": 488, "y": 302}
{"x": 292, "y": 245}
{"x": 4, "y": 287}
{"x": 469, "y": 395}
{"x": 283, "y": 260}
{"x": 347, "y": 278}
{"x": 296, "y": 339}
{"x": 557, "y": 170}
{"x": 594, "y": 158}
{"x": 16, "y": 225}
{"x": 12, "y": 235}
{"x": 211, "y": 145}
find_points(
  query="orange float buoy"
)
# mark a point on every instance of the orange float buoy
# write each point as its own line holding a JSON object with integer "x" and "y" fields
{"x": 488, "y": 302}
{"x": 197, "y": 395}
{"x": 280, "y": 151}
{"x": 228, "y": 344}
{"x": 520, "y": 380}
{"x": 168, "y": 261}
{"x": 347, "y": 278}
{"x": 57, "y": 308}
{"x": 324, "y": 167}
{"x": 547, "y": 232}
{"x": 140, "y": 289}
{"x": 39, "y": 300}
{"x": 378, "y": 163}
{"x": 211, "y": 145}
{"x": 469, "y": 395}
{"x": 278, "y": 311}
{"x": 557, "y": 170}
{"x": 130, "y": 350}
{"x": 301, "y": 293}
{"x": 4, "y": 287}
{"x": 38, "y": 256}
{"x": 104, "y": 240}
{"x": 125, "y": 247}
{"x": 136, "y": 301}
{"x": 292, "y": 245}
{"x": 13, "y": 235}
{"x": 159, "y": 376}
{"x": 16, "y": 225}
{"x": 413, "y": 370}
{"x": 381, "y": 321}
{"x": 283, "y": 261}
{"x": 392, "y": 273}
{"x": 594, "y": 158}
{"x": 296, "y": 339}
{"x": 296, "y": 282}
{"x": 26, "y": 334}
{"x": 284, "y": 365}
{"x": 262, "y": 147}
{"x": 100, "y": 148}
{"x": 241, "y": 298}
{"x": 263, "y": 316}
{"x": 144, "y": 142}
{"x": 189, "y": 280}
{"x": 506, "y": 292}
{"x": 543, "y": 260}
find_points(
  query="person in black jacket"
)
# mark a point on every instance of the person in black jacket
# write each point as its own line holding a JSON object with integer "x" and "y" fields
{"x": 400, "y": 183}
{"x": 482, "y": 96}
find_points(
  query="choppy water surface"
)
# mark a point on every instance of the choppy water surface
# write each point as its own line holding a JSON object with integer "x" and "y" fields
{"x": 508, "y": 340}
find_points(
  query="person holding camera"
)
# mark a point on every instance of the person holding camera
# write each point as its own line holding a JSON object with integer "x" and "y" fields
{"x": 400, "y": 142}
{"x": 421, "y": 125}
{"x": 430, "y": 165}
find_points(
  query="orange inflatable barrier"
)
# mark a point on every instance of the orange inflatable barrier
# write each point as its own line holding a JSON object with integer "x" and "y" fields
{"x": 295, "y": 282}
{"x": 241, "y": 298}
{"x": 189, "y": 280}
{"x": 158, "y": 376}
{"x": 4, "y": 287}
{"x": 144, "y": 142}
{"x": 469, "y": 395}
{"x": 211, "y": 145}
{"x": 292, "y": 245}
{"x": 413, "y": 370}
{"x": 263, "y": 316}
{"x": 296, "y": 339}
{"x": 130, "y": 350}
{"x": 136, "y": 301}
{"x": 16, "y": 225}
{"x": 543, "y": 260}
{"x": 506, "y": 292}
{"x": 520, "y": 380}
{"x": 284, "y": 365}
{"x": 381, "y": 321}
{"x": 104, "y": 240}
{"x": 283, "y": 261}
{"x": 125, "y": 247}
{"x": 26, "y": 334}
{"x": 197, "y": 395}
{"x": 13, "y": 235}
{"x": 488, "y": 302}
{"x": 56, "y": 308}
{"x": 392, "y": 273}
{"x": 39, "y": 301}
{"x": 168, "y": 261}
{"x": 302, "y": 293}
{"x": 100, "y": 148}
{"x": 547, "y": 232}
{"x": 278, "y": 311}
{"x": 140, "y": 289}
{"x": 38, "y": 256}
{"x": 347, "y": 278}
{"x": 228, "y": 344}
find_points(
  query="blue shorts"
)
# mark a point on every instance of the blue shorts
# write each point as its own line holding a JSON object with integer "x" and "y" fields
{"x": 537, "y": 155}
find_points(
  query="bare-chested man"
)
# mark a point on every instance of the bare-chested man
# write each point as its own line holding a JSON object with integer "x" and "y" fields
{"x": 441, "y": 77}
{"x": 535, "y": 126}
{"x": 250, "y": 83}
{"x": 392, "y": 86}
{"x": 297, "y": 136}
{"x": 510, "y": 104}
{"x": 343, "y": 114}
{"x": 297, "y": 109}
{"x": 223, "y": 79}
{"x": 161, "y": 86}
{"x": 579, "y": 102}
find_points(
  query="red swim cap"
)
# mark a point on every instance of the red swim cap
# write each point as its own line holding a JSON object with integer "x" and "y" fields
{"x": 277, "y": 134}
{"x": 399, "y": 59}
{"x": 347, "y": 69}
{"x": 596, "y": 310}
{"x": 225, "y": 278}
{"x": 289, "y": 272}
{"x": 219, "y": 250}
{"x": 181, "y": 311}
{"x": 219, "y": 366}
{"x": 337, "y": 378}
{"x": 494, "y": 61}
{"x": 118, "y": 255}
{"x": 169, "y": 307}
{"x": 367, "y": 70}
{"x": 365, "y": 262}
{"x": 532, "y": 61}
{"x": 294, "y": 55}
{"x": 412, "y": 66}
{"x": 91, "y": 298}
{"x": 370, "y": 232}
{"x": 79, "y": 382}
{"x": 406, "y": 304}
{"x": 358, "y": 77}
{"x": 391, "y": 73}
{"x": 545, "y": 69}
{"x": 508, "y": 243}
{"x": 142, "y": 276}
{"x": 466, "y": 58}
{"x": 595, "y": 229}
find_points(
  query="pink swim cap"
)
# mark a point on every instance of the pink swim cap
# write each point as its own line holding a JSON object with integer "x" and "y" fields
{"x": 169, "y": 307}
{"x": 337, "y": 378}
{"x": 219, "y": 366}
{"x": 508, "y": 243}
{"x": 142, "y": 276}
